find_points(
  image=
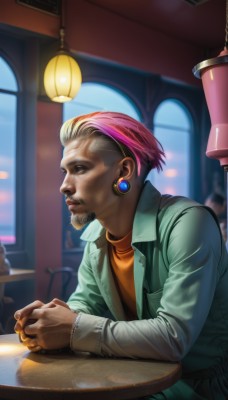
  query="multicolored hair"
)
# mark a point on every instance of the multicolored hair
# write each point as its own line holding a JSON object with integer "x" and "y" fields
{"x": 132, "y": 137}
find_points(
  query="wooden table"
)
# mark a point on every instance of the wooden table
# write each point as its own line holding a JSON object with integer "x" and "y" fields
{"x": 17, "y": 275}
{"x": 67, "y": 376}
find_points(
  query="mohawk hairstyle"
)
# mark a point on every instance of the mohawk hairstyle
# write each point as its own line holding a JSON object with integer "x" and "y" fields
{"x": 132, "y": 137}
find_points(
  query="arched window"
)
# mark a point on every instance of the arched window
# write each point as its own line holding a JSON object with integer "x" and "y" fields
{"x": 99, "y": 97}
{"x": 93, "y": 97}
{"x": 8, "y": 118}
{"x": 172, "y": 127}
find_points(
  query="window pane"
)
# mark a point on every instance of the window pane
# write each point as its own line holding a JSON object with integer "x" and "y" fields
{"x": 172, "y": 128}
{"x": 98, "y": 97}
{"x": 174, "y": 179}
{"x": 171, "y": 113}
{"x": 7, "y": 167}
{"x": 7, "y": 77}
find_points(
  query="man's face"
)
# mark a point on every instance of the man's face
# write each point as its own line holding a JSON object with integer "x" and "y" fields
{"x": 90, "y": 167}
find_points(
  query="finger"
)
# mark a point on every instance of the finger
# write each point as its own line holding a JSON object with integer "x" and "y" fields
{"x": 24, "y": 340}
{"x": 27, "y": 340}
{"x": 30, "y": 328}
{"x": 24, "y": 322}
{"x": 35, "y": 349}
{"x": 19, "y": 336}
{"x": 22, "y": 336}
{"x": 55, "y": 302}
{"x": 23, "y": 312}
{"x": 51, "y": 304}
{"x": 32, "y": 347}
{"x": 60, "y": 303}
{"x": 18, "y": 327}
{"x": 33, "y": 344}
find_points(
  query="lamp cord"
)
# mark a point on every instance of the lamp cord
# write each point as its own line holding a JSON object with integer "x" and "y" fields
{"x": 62, "y": 27}
{"x": 62, "y": 35}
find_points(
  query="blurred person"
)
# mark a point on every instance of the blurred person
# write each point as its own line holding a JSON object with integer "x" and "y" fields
{"x": 217, "y": 202}
{"x": 157, "y": 263}
{"x": 4, "y": 268}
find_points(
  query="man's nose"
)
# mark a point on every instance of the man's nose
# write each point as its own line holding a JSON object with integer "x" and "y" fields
{"x": 66, "y": 187}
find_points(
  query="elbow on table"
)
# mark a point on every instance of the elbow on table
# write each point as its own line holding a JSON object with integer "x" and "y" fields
{"x": 177, "y": 350}
{"x": 173, "y": 347}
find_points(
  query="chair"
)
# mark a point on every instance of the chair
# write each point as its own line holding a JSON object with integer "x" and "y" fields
{"x": 66, "y": 273}
{"x": 7, "y": 310}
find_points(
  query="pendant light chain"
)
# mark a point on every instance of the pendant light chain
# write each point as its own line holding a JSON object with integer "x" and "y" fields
{"x": 62, "y": 28}
{"x": 62, "y": 38}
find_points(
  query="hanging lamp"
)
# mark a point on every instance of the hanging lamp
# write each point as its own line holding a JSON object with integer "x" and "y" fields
{"x": 214, "y": 74}
{"x": 62, "y": 75}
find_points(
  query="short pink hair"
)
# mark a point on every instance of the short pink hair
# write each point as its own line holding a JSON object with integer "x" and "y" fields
{"x": 131, "y": 136}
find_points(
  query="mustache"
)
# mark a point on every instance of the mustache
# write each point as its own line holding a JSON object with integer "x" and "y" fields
{"x": 73, "y": 200}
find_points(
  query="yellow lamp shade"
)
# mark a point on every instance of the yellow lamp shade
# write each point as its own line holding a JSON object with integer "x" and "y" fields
{"x": 62, "y": 78}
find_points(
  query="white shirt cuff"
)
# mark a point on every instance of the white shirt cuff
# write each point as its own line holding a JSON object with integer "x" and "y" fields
{"x": 86, "y": 333}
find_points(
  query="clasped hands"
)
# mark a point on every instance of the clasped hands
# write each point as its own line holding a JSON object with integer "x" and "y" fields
{"x": 43, "y": 326}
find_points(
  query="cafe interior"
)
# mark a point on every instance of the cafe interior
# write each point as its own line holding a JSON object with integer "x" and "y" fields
{"x": 145, "y": 57}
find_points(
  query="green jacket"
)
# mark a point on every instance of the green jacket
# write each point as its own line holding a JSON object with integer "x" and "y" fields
{"x": 181, "y": 284}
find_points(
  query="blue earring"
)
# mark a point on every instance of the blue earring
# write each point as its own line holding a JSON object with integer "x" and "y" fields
{"x": 121, "y": 186}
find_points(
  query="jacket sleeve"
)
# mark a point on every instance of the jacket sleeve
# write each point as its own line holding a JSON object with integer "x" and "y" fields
{"x": 87, "y": 297}
{"x": 193, "y": 252}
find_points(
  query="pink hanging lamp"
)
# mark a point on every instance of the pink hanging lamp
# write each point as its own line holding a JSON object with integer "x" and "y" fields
{"x": 214, "y": 74}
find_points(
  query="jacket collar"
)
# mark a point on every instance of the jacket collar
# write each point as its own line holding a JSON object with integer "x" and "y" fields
{"x": 144, "y": 225}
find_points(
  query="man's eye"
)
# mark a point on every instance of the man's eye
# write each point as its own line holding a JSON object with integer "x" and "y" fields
{"x": 79, "y": 168}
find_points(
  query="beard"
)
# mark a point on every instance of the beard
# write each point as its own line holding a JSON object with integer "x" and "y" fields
{"x": 79, "y": 221}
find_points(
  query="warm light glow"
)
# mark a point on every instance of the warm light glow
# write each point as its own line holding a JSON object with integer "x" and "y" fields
{"x": 11, "y": 348}
{"x": 62, "y": 78}
{"x": 171, "y": 173}
{"x": 4, "y": 175}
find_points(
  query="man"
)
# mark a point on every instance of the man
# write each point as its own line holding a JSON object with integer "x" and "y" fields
{"x": 157, "y": 263}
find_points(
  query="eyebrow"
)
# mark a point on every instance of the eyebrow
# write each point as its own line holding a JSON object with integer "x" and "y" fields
{"x": 72, "y": 163}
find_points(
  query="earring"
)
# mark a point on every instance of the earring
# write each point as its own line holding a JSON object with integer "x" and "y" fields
{"x": 121, "y": 186}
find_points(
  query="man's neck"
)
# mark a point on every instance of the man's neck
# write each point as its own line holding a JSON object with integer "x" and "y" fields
{"x": 120, "y": 222}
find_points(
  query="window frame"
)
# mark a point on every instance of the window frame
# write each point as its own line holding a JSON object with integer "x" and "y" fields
{"x": 190, "y": 131}
{"x": 18, "y": 167}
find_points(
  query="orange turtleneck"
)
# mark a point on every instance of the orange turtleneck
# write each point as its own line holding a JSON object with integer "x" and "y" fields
{"x": 121, "y": 257}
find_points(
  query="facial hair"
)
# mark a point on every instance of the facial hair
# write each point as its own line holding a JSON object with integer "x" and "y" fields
{"x": 79, "y": 221}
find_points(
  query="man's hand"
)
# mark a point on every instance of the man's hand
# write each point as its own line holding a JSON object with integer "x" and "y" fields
{"x": 45, "y": 326}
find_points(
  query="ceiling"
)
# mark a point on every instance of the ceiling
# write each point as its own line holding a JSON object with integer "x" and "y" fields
{"x": 202, "y": 23}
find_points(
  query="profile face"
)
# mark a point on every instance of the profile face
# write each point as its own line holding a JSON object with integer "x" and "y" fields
{"x": 90, "y": 167}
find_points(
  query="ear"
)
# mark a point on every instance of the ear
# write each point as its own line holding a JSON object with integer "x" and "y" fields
{"x": 127, "y": 168}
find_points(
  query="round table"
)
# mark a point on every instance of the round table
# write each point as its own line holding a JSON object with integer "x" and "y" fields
{"x": 68, "y": 376}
